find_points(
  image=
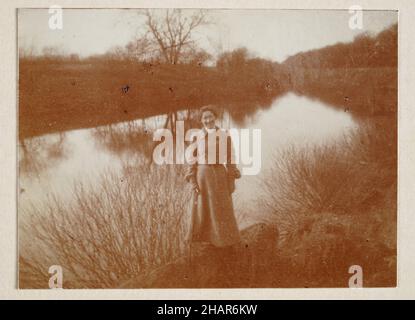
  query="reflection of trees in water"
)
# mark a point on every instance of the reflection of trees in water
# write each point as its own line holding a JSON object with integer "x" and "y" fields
{"x": 359, "y": 77}
{"x": 189, "y": 116}
{"x": 362, "y": 92}
{"x": 40, "y": 153}
{"x": 135, "y": 138}
{"x": 131, "y": 137}
{"x": 242, "y": 111}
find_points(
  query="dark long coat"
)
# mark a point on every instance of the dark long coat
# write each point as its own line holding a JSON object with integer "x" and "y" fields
{"x": 212, "y": 213}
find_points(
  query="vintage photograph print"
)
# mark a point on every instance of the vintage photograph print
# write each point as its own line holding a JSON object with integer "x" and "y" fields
{"x": 216, "y": 148}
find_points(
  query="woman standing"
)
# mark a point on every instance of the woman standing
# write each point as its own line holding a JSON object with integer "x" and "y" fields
{"x": 213, "y": 221}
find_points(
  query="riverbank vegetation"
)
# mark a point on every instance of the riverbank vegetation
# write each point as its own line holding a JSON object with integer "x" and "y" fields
{"x": 334, "y": 205}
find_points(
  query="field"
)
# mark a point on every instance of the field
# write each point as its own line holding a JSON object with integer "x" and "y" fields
{"x": 60, "y": 95}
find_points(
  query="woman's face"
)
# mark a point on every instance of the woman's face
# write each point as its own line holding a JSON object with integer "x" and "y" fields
{"x": 208, "y": 120}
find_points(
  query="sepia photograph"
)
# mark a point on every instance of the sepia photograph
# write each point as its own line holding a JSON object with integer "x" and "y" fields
{"x": 207, "y": 148}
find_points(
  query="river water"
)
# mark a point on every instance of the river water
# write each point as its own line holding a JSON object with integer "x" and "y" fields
{"x": 51, "y": 164}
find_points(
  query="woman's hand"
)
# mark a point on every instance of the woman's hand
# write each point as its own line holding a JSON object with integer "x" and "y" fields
{"x": 236, "y": 173}
{"x": 195, "y": 186}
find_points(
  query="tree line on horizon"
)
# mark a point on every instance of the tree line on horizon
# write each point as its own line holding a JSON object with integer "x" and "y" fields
{"x": 364, "y": 51}
{"x": 168, "y": 61}
{"x": 168, "y": 39}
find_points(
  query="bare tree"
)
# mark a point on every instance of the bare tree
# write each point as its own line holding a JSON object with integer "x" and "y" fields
{"x": 196, "y": 56}
{"x": 52, "y": 51}
{"x": 140, "y": 49}
{"x": 116, "y": 53}
{"x": 172, "y": 31}
{"x": 27, "y": 52}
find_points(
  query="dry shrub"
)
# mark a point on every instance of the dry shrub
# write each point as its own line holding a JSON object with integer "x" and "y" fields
{"x": 130, "y": 137}
{"x": 109, "y": 233}
{"x": 335, "y": 206}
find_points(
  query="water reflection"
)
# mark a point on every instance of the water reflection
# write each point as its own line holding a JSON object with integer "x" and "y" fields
{"x": 40, "y": 153}
{"x": 131, "y": 137}
{"x": 243, "y": 111}
{"x": 41, "y": 175}
{"x": 82, "y": 155}
{"x": 292, "y": 121}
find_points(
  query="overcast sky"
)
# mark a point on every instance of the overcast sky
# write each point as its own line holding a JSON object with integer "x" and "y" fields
{"x": 271, "y": 34}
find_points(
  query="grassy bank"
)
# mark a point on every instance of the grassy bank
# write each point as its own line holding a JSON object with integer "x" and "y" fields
{"x": 335, "y": 207}
{"x": 60, "y": 95}
{"x": 364, "y": 92}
